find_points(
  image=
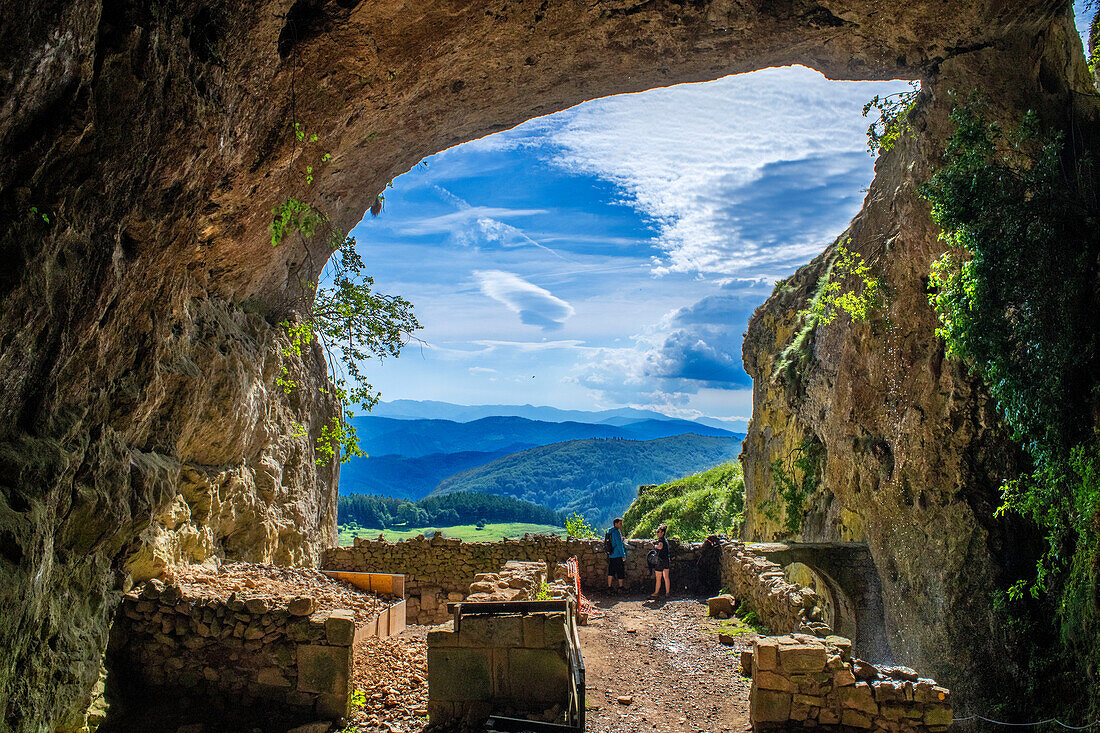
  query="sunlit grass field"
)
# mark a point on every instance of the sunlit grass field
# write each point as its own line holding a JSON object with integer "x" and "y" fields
{"x": 465, "y": 532}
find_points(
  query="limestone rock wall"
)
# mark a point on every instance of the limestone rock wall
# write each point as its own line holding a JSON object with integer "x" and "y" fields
{"x": 140, "y": 423}
{"x": 913, "y": 452}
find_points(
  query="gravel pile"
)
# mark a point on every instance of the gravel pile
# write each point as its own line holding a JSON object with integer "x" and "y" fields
{"x": 392, "y": 675}
{"x": 276, "y": 584}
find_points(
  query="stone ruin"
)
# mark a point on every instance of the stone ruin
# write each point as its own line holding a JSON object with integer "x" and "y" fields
{"x": 268, "y": 652}
{"x": 518, "y": 664}
{"x": 801, "y": 681}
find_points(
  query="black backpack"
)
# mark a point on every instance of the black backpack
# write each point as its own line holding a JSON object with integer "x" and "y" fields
{"x": 607, "y": 548}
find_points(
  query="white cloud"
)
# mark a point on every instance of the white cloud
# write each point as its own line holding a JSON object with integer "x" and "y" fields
{"x": 747, "y": 172}
{"x": 531, "y": 346}
{"x": 535, "y": 306}
{"x": 455, "y": 221}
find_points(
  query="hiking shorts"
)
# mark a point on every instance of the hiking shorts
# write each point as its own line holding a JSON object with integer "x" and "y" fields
{"x": 616, "y": 567}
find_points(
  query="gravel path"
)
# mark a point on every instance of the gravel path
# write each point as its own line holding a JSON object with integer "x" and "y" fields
{"x": 665, "y": 656}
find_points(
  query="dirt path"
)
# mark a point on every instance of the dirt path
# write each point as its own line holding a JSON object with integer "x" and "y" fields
{"x": 665, "y": 655}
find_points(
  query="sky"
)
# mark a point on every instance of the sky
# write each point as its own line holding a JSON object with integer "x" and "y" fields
{"x": 611, "y": 254}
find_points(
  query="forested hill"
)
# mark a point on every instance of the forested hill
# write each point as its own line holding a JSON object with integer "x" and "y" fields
{"x": 381, "y": 436}
{"x": 598, "y": 478}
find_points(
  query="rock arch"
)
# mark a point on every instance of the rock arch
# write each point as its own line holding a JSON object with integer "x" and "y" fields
{"x": 846, "y": 572}
{"x": 140, "y": 423}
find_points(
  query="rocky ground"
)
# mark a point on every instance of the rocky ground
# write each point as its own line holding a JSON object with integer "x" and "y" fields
{"x": 662, "y": 658}
{"x": 392, "y": 676}
{"x": 250, "y": 580}
{"x": 657, "y": 665}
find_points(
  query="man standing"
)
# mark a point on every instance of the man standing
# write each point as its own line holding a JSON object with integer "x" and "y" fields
{"x": 615, "y": 548}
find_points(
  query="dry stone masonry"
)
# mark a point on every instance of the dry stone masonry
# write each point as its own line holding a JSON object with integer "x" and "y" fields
{"x": 783, "y": 606}
{"x": 284, "y": 653}
{"x": 801, "y": 681}
{"x": 515, "y": 665}
{"x": 441, "y": 570}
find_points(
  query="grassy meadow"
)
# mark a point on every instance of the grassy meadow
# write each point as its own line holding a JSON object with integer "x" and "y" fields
{"x": 464, "y": 532}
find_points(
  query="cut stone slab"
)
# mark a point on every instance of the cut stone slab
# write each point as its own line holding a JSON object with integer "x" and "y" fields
{"x": 340, "y": 628}
{"x": 324, "y": 669}
{"x": 724, "y": 603}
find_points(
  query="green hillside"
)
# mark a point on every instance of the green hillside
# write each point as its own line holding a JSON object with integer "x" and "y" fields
{"x": 693, "y": 507}
{"x": 595, "y": 477}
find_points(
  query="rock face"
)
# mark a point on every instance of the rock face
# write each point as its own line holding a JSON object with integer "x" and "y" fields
{"x": 141, "y": 422}
{"x": 912, "y": 452}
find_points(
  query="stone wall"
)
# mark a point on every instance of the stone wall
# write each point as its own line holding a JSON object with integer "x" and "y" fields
{"x": 440, "y": 570}
{"x": 760, "y": 583}
{"x": 283, "y": 655}
{"x": 515, "y": 665}
{"x": 802, "y": 681}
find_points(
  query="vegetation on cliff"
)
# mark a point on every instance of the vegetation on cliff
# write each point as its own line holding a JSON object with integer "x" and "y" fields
{"x": 695, "y": 506}
{"x": 1017, "y": 296}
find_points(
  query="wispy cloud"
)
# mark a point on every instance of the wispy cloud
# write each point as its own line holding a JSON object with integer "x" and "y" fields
{"x": 535, "y": 306}
{"x": 447, "y": 223}
{"x": 750, "y": 171}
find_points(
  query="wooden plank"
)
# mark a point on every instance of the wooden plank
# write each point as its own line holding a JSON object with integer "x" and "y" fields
{"x": 379, "y": 583}
{"x": 397, "y": 618}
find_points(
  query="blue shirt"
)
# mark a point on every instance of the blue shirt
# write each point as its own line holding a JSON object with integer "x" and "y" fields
{"x": 618, "y": 547}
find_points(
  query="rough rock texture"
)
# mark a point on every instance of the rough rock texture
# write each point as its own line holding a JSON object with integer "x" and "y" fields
{"x": 140, "y": 422}
{"x": 914, "y": 452}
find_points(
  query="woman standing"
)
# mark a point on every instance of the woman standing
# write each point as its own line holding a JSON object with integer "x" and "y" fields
{"x": 663, "y": 558}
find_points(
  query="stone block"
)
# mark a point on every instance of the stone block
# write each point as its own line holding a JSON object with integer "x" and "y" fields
{"x": 332, "y": 706}
{"x": 937, "y": 716}
{"x": 324, "y": 669}
{"x": 533, "y": 630}
{"x": 769, "y": 706}
{"x": 746, "y": 662}
{"x": 554, "y": 630}
{"x": 766, "y": 653}
{"x": 340, "y": 628}
{"x": 843, "y": 677}
{"x": 801, "y": 658}
{"x": 459, "y": 674}
{"x": 257, "y": 606}
{"x": 766, "y": 680}
{"x": 854, "y": 719}
{"x": 724, "y": 603}
{"x": 492, "y": 631}
{"x": 301, "y": 606}
{"x": 858, "y": 697}
{"x": 538, "y": 675}
{"x": 440, "y": 711}
{"x": 272, "y": 677}
{"x": 828, "y": 716}
{"x": 812, "y": 701}
{"x": 443, "y": 639}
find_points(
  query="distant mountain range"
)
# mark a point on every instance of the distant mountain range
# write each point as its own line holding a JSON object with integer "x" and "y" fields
{"x": 433, "y": 410}
{"x": 596, "y": 477}
{"x": 409, "y": 457}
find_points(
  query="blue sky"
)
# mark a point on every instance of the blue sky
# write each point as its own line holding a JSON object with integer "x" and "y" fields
{"x": 611, "y": 254}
